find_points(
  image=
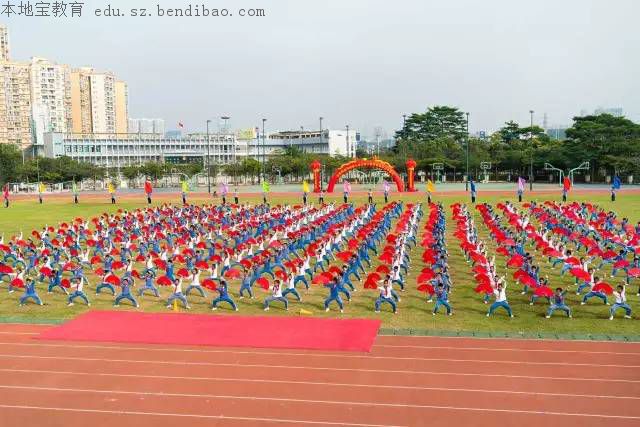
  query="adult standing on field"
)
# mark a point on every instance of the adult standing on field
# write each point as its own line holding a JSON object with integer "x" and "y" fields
{"x": 5, "y": 195}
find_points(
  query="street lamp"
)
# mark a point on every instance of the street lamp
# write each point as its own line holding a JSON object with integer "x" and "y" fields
{"x": 208, "y": 159}
{"x": 404, "y": 123}
{"x": 225, "y": 132}
{"x": 263, "y": 148}
{"x": 466, "y": 181}
{"x": 321, "y": 133}
{"x": 348, "y": 148}
{"x": 531, "y": 147}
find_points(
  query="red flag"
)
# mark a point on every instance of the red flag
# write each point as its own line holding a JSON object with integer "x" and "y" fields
{"x": 566, "y": 183}
{"x": 147, "y": 187}
{"x": 181, "y": 125}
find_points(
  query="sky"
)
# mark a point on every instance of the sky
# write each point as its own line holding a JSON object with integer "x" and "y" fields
{"x": 362, "y": 63}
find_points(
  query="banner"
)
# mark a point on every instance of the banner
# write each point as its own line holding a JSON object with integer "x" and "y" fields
{"x": 521, "y": 183}
{"x": 41, "y": 188}
{"x": 265, "y": 187}
{"x": 111, "y": 188}
{"x": 386, "y": 186}
{"x": 147, "y": 187}
{"x": 305, "y": 186}
{"x": 185, "y": 186}
{"x": 246, "y": 134}
{"x": 431, "y": 187}
{"x": 617, "y": 183}
{"x": 566, "y": 184}
{"x": 346, "y": 186}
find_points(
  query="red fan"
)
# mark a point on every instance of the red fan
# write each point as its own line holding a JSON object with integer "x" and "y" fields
{"x": 386, "y": 257}
{"x": 263, "y": 283}
{"x": 135, "y": 274}
{"x": 112, "y": 279}
{"x": 99, "y": 271}
{"x": 322, "y": 279}
{"x": 70, "y": 266}
{"x": 621, "y": 264}
{"x": 344, "y": 256}
{"x": 370, "y": 285}
{"x": 281, "y": 275}
{"x": 245, "y": 263}
{"x": 552, "y": 252}
{"x": 516, "y": 261}
{"x": 164, "y": 281}
{"x": 117, "y": 265}
{"x": 183, "y": 272}
{"x": 215, "y": 258}
{"x": 633, "y": 272}
{"x": 202, "y": 265}
{"x": 232, "y": 273}
{"x": 483, "y": 288}
{"x": 140, "y": 258}
{"x": 5, "y": 269}
{"x": 17, "y": 283}
{"x": 543, "y": 291}
{"x": 426, "y": 274}
{"x": 391, "y": 238}
{"x": 580, "y": 274}
{"x": 427, "y": 288}
{"x": 65, "y": 283}
{"x": 335, "y": 269}
{"x": 502, "y": 251}
{"x": 209, "y": 284}
{"x": 572, "y": 260}
{"x": 603, "y": 287}
{"x": 160, "y": 263}
{"x": 352, "y": 244}
{"x": 383, "y": 269}
{"x": 373, "y": 276}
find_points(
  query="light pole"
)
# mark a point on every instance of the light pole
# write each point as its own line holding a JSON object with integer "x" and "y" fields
{"x": 208, "y": 159}
{"x": 263, "y": 148}
{"x": 321, "y": 137}
{"x": 466, "y": 181}
{"x": 348, "y": 148}
{"x": 224, "y": 134}
{"x": 404, "y": 124}
{"x": 531, "y": 147}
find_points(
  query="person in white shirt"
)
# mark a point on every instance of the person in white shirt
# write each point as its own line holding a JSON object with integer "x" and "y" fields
{"x": 195, "y": 284}
{"x": 77, "y": 284}
{"x": 291, "y": 288}
{"x": 178, "y": 295}
{"x": 386, "y": 297}
{"x": 500, "y": 293}
{"x": 621, "y": 302}
{"x": 276, "y": 295}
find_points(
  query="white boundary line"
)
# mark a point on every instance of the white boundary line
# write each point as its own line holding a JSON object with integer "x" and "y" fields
{"x": 245, "y": 365}
{"x": 216, "y": 417}
{"x": 316, "y": 383}
{"x": 437, "y": 347}
{"x": 308, "y": 355}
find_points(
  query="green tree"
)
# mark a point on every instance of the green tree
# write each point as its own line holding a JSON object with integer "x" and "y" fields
{"x": 10, "y": 158}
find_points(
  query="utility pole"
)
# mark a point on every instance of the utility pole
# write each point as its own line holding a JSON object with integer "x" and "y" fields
{"x": 531, "y": 147}
{"x": 263, "y": 149}
{"x": 348, "y": 147}
{"x": 466, "y": 183}
{"x": 208, "y": 159}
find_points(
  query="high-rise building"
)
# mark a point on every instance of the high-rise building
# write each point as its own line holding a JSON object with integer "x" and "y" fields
{"x": 121, "y": 107}
{"x": 50, "y": 97}
{"x": 4, "y": 43}
{"x": 15, "y": 103}
{"x": 99, "y": 102}
{"x": 154, "y": 126}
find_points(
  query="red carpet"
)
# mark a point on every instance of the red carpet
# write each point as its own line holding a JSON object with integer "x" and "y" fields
{"x": 224, "y": 331}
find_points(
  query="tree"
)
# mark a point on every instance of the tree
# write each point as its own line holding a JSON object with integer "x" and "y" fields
{"x": 131, "y": 172}
{"x": 10, "y": 158}
{"x": 436, "y": 122}
{"x": 153, "y": 170}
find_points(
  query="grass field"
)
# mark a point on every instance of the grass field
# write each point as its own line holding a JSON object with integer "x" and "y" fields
{"x": 414, "y": 312}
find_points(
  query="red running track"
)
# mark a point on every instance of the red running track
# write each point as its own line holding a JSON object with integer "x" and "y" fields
{"x": 404, "y": 381}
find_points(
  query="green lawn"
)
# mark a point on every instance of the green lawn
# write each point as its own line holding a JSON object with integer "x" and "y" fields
{"x": 414, "y": 312}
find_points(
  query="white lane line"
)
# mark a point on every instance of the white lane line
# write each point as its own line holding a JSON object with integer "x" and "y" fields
{"x": 452, "y": 408}
{"x": 217, "y": 417}
{"x": 245, "y": 397}
{"x": 253, "y": 365}
{"x": 327, "y": 355}
{"x": 438, "y": 347}
{"x": 315, "y": 383}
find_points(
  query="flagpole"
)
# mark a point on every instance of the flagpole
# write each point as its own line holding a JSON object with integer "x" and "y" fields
{"x": 208, "y": 160}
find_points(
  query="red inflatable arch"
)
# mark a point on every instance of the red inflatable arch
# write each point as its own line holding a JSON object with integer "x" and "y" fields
{"x": 374, "y": 163}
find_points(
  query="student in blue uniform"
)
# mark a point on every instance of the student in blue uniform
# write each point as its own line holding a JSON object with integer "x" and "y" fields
{"x": 223, "y": 296}
{"x": 334, "y": 295}
{"x": 30, "y": 292}
{"x": 125, "y": 292}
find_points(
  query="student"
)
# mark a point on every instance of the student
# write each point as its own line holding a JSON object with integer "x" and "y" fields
{"x": 5, "y": 195}
{"x": 236, "y": 198}
{"x": 30, "y": 292}
{"x": 291, "y": 288}
{"x": 385, "y": 297}
{"x": 178, "y": 295}
{"x": 78, "y": 286}
{"x": 125, "y": 293}
{"x": 595, "y": 294}
{"x": 223, "y": 296}
{"x": 276, "y": 295}
{"x": 148, "y": 285}
{"x": 104, "y": 284}
{"x": 195, "y": 284}
{"x": 320, "y": 198}
{"x": 370, "y": 196}
{"x": 442, "y": 298}
{"x": 56, "y": 282}
{"x": 246, "y": 284}
{"x": 558, "y": 303}
{"x": 301, "y": 272}
{"x": 334, "y": 295}
{"x": 500, "y": 293}
{"x": 621, "y": 302}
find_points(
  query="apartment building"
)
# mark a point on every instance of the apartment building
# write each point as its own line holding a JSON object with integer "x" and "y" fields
{"x": 15, "y": 103}
{"x": 4, "y": 43}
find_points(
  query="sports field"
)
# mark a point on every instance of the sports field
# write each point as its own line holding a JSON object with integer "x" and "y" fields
{"x": 414, "y": 313}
